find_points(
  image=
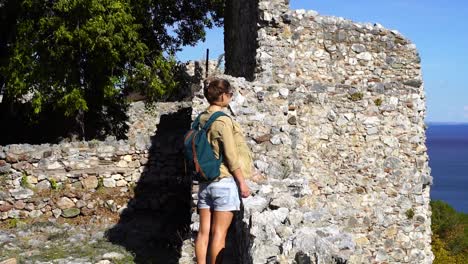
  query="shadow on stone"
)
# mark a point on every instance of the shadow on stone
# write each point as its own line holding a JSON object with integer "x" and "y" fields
{"x": 157, "y": 218}
{"x": 239, "y": 240}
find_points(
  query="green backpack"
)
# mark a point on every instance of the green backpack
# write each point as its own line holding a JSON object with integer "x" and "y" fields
{"x": 200, "y": 159}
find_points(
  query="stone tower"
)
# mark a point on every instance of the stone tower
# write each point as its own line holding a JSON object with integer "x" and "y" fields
{"x": 343, "y": 107}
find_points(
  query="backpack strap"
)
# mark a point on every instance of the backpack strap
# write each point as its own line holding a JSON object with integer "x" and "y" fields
{"x": 196, "y": 122}
{"x": 212, "y": 118}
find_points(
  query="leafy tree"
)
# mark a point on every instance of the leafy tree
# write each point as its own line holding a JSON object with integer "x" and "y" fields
{"x": 79, "y": 57}
{"x": 450, "y": 234}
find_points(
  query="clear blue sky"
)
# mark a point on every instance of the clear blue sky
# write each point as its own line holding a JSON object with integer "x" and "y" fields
{"x": 438, "y": 28}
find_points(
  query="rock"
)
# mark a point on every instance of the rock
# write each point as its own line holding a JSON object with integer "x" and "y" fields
{"x": 413, "y": 83}
{"x": 392, "y": 163}
{"x": 105, "y": 261}
{"x": 358, "y": 48}
{"x": 35, "y": 213}
{"x": 295, "y": 217}
{"x": 21, "y": 193}
{"x": 121, "y": 183}
{"x": 113, "y": 255}
{"x": 80, "y": 204}
{"x": 255, "y": 203}
{"x": 70, "y": 212}
{"x": 9, "y": 261}
{"x": 262, "y": 138}
{"x": 65, "y": 203}
{"x": 90, "y": 182}
{"x": 20, "y": 205}
{"x": 284, "y": 200}
{"x": 87, "y": 211}
{"x": 284, "y": 92}
{"x": 127, "y": 158}
{"x": 381, "y": 256}
{"x": 366, "y": 56}
{"x": 43, "y": 185}
{"x": 57, "y": 212}
{"x": 265, "y": 251}
{"x": 274, "y": 218}
{"x": 109, "y": 183}
{"x": 5, "y": 207}
{"x": 4, "y": 195}
{"x": 313, "y": 216}
{"x": 54, "y": 166}
{"x": 372, "y": 131}
{"x": 4, "y": 167}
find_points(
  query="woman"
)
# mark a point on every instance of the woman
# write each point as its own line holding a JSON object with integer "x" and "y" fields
{"x": 218, "y": 199}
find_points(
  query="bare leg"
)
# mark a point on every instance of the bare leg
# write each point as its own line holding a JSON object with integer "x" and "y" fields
{"x": 221, "y": 222}
{"x": 201, "y": 243}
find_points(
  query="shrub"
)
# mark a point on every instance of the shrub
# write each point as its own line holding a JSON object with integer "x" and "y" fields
{"x": 356, "y": 96}
{"x": 24, "y": 181}
{"x": 410, "y": 213}
{"x": 378, "y": 102}
{"x": 53, "y": 184}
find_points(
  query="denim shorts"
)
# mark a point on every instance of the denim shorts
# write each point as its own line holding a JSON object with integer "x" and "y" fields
{"x": 221, "y": 195}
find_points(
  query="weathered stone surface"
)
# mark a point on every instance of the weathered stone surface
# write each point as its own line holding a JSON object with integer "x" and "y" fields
{"x": 57, "y": 212}
{"x": 255, "y": 203}
{"x": 35, "y": 213}
{"x": 9, "y": 261}
{"x": 65, "y": 203}
{"x": 109, "y": 182}
{"x": 105, "y": 261}
{"x": 43, "y": 185}
{"x": 70, "y": 212}
{"x": 90, "y": 182}
{"x": 5, "y": 207}
{"x": 4, "y": 195}
{"x": 4, "y": 167}
{"x": 21, "y": 193}
{"x": 113, "y": 255}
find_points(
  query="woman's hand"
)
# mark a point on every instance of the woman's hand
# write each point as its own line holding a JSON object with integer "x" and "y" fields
{"x": 244, "y": 189}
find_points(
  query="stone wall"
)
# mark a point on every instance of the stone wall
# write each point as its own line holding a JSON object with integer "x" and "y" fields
{"x": 339, "y": 182}
{"x": 335, "y": 118}
{"x": 82, "y": 166}
{"x": 142, "y": 179}
{"x": 299, "y": 47}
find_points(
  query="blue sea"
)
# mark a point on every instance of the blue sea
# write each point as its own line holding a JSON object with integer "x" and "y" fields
{"x": 448, "y": 158}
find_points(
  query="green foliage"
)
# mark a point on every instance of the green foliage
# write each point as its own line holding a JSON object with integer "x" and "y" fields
{"x": 53, "y": 184}
{"x": 356, "y": 96}
{"x": 24, "y": 181}
{"x": 450, "y": 234}
{"x": 378, "y": 102}
{"x": 100, "y": 183}
{"x": 80, "y": 57}
{"x": 13, "y": 223}
{"x": 409, "y": 213}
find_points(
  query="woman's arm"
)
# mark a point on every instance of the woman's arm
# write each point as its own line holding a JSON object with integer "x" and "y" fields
{"x": 231, "y": 157}
{"x": 244, "y": 188}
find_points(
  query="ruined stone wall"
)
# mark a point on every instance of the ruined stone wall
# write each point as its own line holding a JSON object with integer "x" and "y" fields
{"x": 64, "y": 180}
{"x": 301, "y": 47}
{"x": 335, "y": 121}
{"x": 335, "y": 118}
{"x": 336, "y": 183}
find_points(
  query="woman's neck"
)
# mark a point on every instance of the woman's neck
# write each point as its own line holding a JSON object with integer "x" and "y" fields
{"x": 215, "y": 108}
